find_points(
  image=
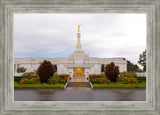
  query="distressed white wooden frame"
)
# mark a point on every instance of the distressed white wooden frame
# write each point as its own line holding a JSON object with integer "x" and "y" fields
{"x": 149, "y": 107}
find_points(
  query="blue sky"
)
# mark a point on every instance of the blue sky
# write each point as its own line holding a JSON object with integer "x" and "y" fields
{"x": 102, "y": 35}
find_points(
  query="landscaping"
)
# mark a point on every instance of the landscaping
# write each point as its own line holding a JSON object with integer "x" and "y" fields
{"x": 43, "y": 78}
{"x": 116, "y": 85}
{"x": 124, "y": 80}
{"x": 31, "y": 80}
{"x": 44, "y": 85}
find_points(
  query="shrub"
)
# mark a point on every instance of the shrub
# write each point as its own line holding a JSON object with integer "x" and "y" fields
{"x": 126, "y": 80}
{"x": 29, "y": 75}
{"x": 119, "y": 85}
{"x": 103, "y": 80}
{"x": 100, "y": 81}
{"x": 128, "y": 74}
{"x": 61, "y": 75}
{"x": 132, "y": 81}
{"x": 45, "y": 70}
{"x": 95, "y": 81}
{"x": 141, "y": 79}
{"x": 16, "y": 85}
{"x": 62, "y": 81}
{"x": 35, "y": 80}
{"x": 122, "y": 80}
{"x": 21, "y": 70}
{"x": 112, "y": 72}
{"x": 25, "y": 81}
{"x": 54, "y": 80}
{"x": 93, "y": 76}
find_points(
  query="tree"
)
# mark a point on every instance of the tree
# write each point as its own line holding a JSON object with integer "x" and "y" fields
{"x": 133, "y": 67}
{"x": 142, "y": 60}
{"x": 45, "y": 71}
{"x": 112, "y": 72}
{"x": 102, "y": 68}
{"x": 21, "y": 70}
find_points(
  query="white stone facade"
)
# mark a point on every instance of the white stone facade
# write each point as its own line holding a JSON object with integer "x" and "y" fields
{"x": 91, "y": 65}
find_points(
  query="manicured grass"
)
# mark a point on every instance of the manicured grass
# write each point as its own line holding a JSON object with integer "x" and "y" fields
{"x": 142, "y": 85}
{"x": 57, "y": 86}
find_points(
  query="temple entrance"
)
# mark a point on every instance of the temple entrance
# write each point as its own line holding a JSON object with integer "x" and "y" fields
{"x": 78, "y": 72}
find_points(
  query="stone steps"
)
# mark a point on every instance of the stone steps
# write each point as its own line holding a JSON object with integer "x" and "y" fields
{"x": 78, "y": 84}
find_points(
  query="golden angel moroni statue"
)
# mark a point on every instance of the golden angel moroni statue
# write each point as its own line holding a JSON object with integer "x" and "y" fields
{"x": 78, "y": 28}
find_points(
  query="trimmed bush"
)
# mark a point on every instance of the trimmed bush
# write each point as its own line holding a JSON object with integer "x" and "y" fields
{"x": 61, "y": 75}
{"x": 112, "y": 72}
{"x": 54, "y": 80}
{"x": 103, "y": 80}
{"x": 95, "y": 81}
{"x": 35, "y": 80}
{"x": 45, "y": 71}
{"x": 62, "y": 81}
{"x": 29, "y": 75}
{"x": 141, "y": 79}
{"x": 126, "y": 80}
{"x": 142, "y": 85}
{"x": 25, "y": 81}
{"x": 100, "y": 81}
{"x": 61, "y": 86}
{"x": 128, "y": 74}
{"x": 93, "y": 76}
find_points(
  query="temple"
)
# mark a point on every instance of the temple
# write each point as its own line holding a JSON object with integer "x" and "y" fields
{"x": 77, "y": 64}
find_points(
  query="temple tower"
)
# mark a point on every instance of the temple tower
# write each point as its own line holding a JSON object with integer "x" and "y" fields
{"x": 78, "y": 46}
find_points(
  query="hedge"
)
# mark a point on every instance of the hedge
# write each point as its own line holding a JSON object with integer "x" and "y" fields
{"x": 57, "y": 86}
{"x": 97, "y": 75}
{"x": 142, "y": 85}
{"x": 141, "y": 79}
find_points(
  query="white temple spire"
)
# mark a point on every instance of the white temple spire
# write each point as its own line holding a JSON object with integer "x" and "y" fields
{"x": 78, "y": 46}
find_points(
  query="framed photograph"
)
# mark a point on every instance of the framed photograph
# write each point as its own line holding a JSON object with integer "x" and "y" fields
{"x": 79, "y": 57}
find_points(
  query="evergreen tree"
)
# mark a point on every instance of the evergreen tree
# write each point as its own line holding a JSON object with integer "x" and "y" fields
{"x": 133, "y": 67}
{"x": 142, "y": 60}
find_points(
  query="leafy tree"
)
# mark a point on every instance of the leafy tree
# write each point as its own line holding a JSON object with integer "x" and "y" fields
{"x": 133, "y": 67}
{"x": 21, "y": 70}
{"x": 142, "y": 60}
{"x": 112, "y": 72}
{"x": 102, "y": 68}
{"x": 45, "y": 71}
